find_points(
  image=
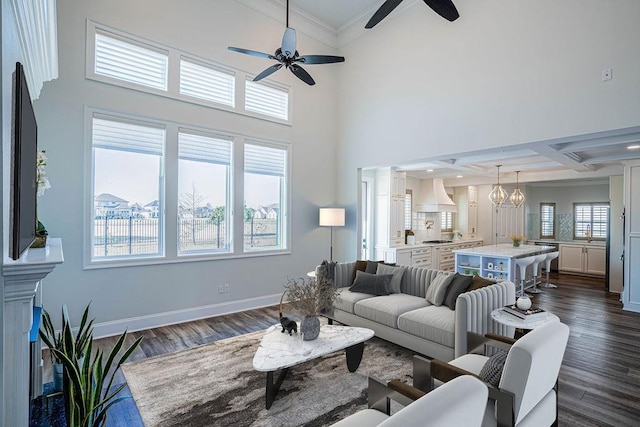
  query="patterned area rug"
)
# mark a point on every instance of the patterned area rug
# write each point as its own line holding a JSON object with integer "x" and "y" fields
{"x": 215, "y": 385}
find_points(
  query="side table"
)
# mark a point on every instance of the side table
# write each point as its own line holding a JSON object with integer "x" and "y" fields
{"x": 500, "y": 316}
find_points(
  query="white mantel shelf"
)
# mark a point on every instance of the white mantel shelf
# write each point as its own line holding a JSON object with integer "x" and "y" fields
{"x": 21, "y": 280}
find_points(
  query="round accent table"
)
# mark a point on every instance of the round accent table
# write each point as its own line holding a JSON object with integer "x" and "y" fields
{"x": 500, "y": 316}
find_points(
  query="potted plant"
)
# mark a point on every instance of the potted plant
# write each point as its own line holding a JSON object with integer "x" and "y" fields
{"x": 54, "y": 340}
{"x": 311, "y": 297}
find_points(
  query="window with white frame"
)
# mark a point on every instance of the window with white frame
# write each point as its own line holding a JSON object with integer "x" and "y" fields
{"x": 547, "y": 220}
{"x": 265, "y": 195}
{"x": 265, "y": 99}
{"x": 204, "y": 173}
{"x": 128, "y": 158}
{"x": 129, "y": 61}
{"x": 590, "y": 221}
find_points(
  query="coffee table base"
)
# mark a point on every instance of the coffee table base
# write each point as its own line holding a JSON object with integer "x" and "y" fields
{"x": 354, "y": 357}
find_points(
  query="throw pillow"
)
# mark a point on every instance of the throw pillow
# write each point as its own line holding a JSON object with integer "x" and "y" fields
{"x": 396, "y": 280}
{"x": 360, "y": 266}
{"x": 372, "y": 267}
{"x": 459, "y": 284}
{"x": 491, "y": 372}
{"x": 480, "y": 282}
{"x": 375, "y": 284}
{"x": 438, "y": 287}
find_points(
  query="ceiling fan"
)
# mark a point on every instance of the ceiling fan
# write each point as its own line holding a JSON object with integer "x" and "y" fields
{"x": 444, "y": 8}
{"x": 288, "y": 56}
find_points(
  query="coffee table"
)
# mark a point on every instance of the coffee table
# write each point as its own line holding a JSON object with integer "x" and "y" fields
{"x": 279, "y": 351}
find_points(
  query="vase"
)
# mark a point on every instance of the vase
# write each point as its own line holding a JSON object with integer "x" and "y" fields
{"x": 58, "y": 376}
{"x": 516, "y": 243}
{"x": 310, "y": 328}
{"x": 523, "y": 302}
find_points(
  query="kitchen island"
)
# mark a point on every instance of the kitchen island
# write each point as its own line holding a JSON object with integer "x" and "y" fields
{"x": 496, "y": 261}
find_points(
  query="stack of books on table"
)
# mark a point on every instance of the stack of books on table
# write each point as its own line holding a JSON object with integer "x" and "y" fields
{"x": 532, "y": 314}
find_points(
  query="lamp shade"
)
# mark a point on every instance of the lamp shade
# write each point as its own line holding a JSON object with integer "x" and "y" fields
{"x": 331, "y": 217}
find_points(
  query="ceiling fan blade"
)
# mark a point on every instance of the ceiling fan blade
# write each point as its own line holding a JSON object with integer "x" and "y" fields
{"x": 251, "y": 52}
{"x": 319, "y": 59}
{"x": 289, "y": 43}
{"x": 267, "y": 72}
{"x": 302, "y": 74}
{"x": 386, "y": 8}
{"x": 444, "y": 8}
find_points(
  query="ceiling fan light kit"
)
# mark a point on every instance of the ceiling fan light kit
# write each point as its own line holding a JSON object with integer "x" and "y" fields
{"x": 288, "y": 56}
{"x": 444, "y": 8}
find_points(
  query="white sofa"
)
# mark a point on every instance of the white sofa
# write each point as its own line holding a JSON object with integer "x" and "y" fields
{"x": 409, "y": 320}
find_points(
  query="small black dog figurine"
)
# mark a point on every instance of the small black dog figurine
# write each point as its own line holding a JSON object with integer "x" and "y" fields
{"x": 288, "y": 324}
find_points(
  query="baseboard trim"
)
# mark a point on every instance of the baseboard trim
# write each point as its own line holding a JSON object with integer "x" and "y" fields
{"x": 132, "y": 324}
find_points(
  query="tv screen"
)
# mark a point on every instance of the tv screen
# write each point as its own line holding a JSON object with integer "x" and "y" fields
{"x": 25, "y": 153}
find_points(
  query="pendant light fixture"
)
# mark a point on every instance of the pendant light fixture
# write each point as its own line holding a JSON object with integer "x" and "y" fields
{"x": 498, "y": 195}
{"x": 517, "y": 198}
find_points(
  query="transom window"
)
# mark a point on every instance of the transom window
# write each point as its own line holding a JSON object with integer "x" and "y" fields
{"x": 121, "y": 59}
{"x": 590, "y": 221}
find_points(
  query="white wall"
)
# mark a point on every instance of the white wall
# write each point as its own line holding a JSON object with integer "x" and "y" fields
{"x": 564, "y": 196}
{"x": 506, "y": 72}
{"x": 205, "y": 28}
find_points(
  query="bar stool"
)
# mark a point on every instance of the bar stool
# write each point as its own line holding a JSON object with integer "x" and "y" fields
{"x": 536, "y": 264}
{"x": 550, "y": 257}
{"x": 523, "y": 263}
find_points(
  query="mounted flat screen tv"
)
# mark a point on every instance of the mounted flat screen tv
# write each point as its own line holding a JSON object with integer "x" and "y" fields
{"x": 24, "y": 171}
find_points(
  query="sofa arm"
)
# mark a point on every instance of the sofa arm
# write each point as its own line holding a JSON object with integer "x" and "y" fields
{"x": 473, "y": 313}
{"x": 343, "y": 273}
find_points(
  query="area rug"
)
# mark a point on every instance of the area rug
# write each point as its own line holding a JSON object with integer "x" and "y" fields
{"x": 215, "y": 385}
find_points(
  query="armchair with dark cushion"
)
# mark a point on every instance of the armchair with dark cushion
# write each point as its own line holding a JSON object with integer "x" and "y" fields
{"x": 525, "y": 393}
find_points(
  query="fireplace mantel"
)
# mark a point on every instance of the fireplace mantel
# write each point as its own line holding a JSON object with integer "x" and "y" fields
{"x": 21, "y": 280}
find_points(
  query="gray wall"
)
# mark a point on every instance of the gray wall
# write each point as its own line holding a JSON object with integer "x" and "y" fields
{"x": 418, "y": 86}
{"x": 150, "y": 295}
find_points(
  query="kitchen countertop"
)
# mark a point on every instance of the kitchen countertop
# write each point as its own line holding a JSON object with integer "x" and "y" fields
{"x": 507, "y": 250}
{"x": 419, "y": 245}
{"x": 571, "y": 242}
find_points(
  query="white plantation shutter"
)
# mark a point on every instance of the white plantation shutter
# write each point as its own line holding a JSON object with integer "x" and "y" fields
{"x": 547, "y": 219}
{"x": 591, "y": 218}
{"x": 267, "y": 100}
{"x": 124, "y": 135}
{"x": 599, "y": 224}
{"x": 207, "y": 83}
{"x": 407, "y": 211}
{"x": 201, "y": 148}
{"x": 263, "y": 160}
{"x": 130, "y": 61}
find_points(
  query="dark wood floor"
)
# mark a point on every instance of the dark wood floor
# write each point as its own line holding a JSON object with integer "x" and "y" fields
{"x": 599, "y": 381}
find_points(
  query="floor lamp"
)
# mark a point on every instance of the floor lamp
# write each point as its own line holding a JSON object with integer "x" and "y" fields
{"x": 331, "y": 217}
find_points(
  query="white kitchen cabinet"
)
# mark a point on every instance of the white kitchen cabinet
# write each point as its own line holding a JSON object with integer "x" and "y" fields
{"x": 415, "y": 256}
{"x": 389, "y": 209}
{"x": 583, "y": 259}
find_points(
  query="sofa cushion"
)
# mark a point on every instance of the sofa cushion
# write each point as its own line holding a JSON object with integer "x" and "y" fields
{"x": 359, "y": 266}
{"x": 459, "y": 284}
{"x": 438, "y": 287}
{"x": 396, "y": 280}
{"x": 432, "y": 323}
{"x": 386, "y": 309}
{"x": 347, "y": 299}
{"x": 375, "y": 284}
{"x": 480, "y": 282}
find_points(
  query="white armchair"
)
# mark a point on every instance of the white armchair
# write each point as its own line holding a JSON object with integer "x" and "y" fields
{"x": 526, "y": 394}
{"x": 460, "y": 402}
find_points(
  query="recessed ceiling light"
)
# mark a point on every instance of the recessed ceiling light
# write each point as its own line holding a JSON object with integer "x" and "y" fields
{"x": 429, "y": 170}
{"x": 633, "y": 147}
{"x": 459, "y": 176}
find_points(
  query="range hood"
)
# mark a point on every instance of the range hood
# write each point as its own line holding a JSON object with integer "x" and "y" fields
{"x": 433, "y": 197}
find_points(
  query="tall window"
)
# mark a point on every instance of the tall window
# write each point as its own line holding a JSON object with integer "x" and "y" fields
{"x": 128, "y": 208}
{"x": 204, "y": 165}
{"x": 590, "y": 221}
{"x": 547, "y": 220}
{"x": 265, "y": 210}
{"x": 407, "y": 209}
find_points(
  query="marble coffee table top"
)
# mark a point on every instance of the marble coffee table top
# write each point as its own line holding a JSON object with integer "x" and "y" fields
{"x": 500, "y": 316}
{"x": 280, "y": 350}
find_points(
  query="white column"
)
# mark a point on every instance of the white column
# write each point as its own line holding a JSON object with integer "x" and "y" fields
{"x": 21, "y": 279}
